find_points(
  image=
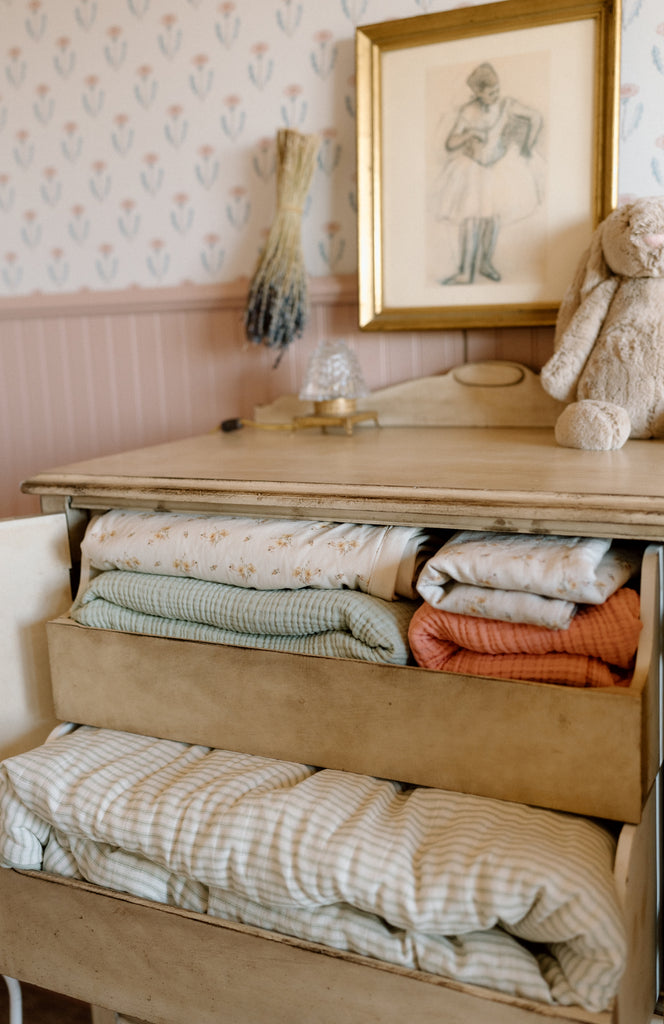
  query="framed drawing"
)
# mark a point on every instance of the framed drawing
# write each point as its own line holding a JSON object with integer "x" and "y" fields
{"x": 487, "y": 154}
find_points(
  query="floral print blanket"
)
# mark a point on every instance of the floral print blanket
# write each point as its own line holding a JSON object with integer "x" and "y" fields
{"x": 264, "y": 554}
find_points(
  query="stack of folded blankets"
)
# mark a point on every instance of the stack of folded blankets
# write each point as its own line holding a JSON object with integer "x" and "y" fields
{"x": 536, "y": 607}
{"x": 542, "y": 608}
{"x": 341, "y": 590}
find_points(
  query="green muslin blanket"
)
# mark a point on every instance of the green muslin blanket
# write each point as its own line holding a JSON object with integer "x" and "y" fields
{"x": 329, "y": 623}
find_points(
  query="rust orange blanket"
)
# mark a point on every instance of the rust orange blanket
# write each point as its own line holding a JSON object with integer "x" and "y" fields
{"x": 597, "y": 649}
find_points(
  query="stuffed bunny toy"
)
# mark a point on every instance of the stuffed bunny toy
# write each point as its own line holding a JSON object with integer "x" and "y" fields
{"x": 608, "y": 358}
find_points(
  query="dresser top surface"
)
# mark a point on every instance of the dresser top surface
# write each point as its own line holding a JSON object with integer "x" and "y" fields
{"x": 494, "y": 478}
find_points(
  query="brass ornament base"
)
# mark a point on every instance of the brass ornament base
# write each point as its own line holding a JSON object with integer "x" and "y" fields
{"x": 338, "y": 412}
{"x": 345, "y": 420}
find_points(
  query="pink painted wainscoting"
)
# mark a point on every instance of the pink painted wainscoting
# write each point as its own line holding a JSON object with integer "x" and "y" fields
{"x": 97, "y": 372}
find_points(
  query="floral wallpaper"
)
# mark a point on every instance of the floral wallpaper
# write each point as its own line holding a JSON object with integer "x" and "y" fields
{"x": 137, "y": 138}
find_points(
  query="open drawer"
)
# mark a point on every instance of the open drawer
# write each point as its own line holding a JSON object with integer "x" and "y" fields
{"x": 592, "y": 752}
{"x": 169, "y": 967}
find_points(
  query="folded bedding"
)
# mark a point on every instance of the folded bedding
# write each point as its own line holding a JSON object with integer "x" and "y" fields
{"x": 328, "y": 623}
{"x": 597, "y": 649}
{"x": 537, "y": 579}
{"x": 516, "y": 898}
{"x": 265, "y": 554}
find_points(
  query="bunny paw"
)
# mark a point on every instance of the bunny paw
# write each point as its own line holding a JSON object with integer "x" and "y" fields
{"x": 593, "y": 425}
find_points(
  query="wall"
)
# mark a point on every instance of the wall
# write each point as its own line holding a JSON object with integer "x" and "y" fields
{"x": 137, "y": 138}
{"x": 89, "y": 374}
{"x": 136, "y": 190}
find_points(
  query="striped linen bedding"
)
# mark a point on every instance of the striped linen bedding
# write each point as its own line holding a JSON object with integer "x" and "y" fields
{"x": 328, "y": 623}
{"x": 502, "y": 895}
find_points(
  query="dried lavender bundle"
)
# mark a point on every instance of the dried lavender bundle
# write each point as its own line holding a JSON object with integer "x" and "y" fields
{"x": 278, "y": 303}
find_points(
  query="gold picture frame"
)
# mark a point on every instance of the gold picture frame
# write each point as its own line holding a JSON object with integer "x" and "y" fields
{"x": 486, "y": 155}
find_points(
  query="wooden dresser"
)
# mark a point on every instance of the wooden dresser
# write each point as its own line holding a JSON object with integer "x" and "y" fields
{"x": 580, "y": 751}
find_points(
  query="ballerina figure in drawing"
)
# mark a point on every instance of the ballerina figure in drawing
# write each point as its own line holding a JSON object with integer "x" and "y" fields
{"x": 488, "y": 178}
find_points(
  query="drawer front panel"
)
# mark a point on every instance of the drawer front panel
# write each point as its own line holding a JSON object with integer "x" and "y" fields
{"x": 158, "y": 964}
{"x": 585, "y": 751}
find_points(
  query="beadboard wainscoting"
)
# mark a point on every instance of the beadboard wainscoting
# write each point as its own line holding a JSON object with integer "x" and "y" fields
{"x": 93, "y": 373}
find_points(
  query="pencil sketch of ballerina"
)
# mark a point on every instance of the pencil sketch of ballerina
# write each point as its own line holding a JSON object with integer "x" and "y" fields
{"x": 488, "y": 178}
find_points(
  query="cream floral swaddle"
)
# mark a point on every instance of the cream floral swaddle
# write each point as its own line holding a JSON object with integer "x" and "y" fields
{"x": 525, "y": 578}
{"x": 264, "y": 554}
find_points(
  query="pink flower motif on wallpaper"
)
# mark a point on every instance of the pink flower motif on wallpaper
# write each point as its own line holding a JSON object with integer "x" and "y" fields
{"x": 233, "y": 119}
{"x": 260, "y": 66}
{"x": 44, "y": 104}
{"x": 115, "y": 49}
{"x": 175, "y": 128}
{"x": 630, "y": 114}
{"x": 158, "y": 258}
{"x": 24, "y": 149}
{"x": 7, "y": 193}
{"x": 294, "y": 108}
{"x": 170, "y": 38}
{"x": 227, "y": 25}
{"x": 202, "y": 77}
{"x": 289, "y": 15}
{"x": 264, "y": 159}
{"x": 31, "y": 230}
{"x": 238, "y": 206}
{"x": 106, "y": 263}
{"x": 12, "y": 272}
{"x": 85, "y": 13}
{"x": 139, "y": 8}
{"x": 324, "y": 56}
{"x": 100, "y": 180}
{"x": 354, "y": 10}
{"x": 35, "y": 23}
{"x": 65, "y": 57}
{"x": 57, "y": 268}
{"x": 51, "y": 187}
{"x": 182, "y": 214}
{"x": 72, "y": 141}
{"x": 79, "y": 225}
{"x": 122, "y": 135}
{"x": 329, "y": 152}
{"x": 207, "y": 166}
{"x": 129, "y": 220}
{"x": 93, "y": 95}
{"x": 331, "y": 247}
{"x": 212, "y": 255}
{"x": 152, "y": 174}
{"x": 145, "y": 89}
{"x": 16, "y": 67}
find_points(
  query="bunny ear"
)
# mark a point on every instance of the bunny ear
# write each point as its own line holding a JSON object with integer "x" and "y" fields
{"x": 595, "y": 267}
{"x": 590, "y": 272}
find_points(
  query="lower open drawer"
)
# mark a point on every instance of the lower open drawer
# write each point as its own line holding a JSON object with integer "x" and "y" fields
{"x": 172, "y": 967}
{"x": 593, "y": 752}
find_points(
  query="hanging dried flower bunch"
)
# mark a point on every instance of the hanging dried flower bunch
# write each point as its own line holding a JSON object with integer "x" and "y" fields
{"x": 278, "y": 303}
